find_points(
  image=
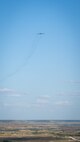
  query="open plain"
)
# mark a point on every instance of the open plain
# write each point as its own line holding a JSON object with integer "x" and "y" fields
{"x": 39, "y": 131}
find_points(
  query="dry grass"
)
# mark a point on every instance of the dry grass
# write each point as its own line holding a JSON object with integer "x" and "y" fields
{"x": 51, "y": 131}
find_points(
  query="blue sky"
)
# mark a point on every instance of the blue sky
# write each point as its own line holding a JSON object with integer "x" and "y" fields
{"x": 40, "y": 74}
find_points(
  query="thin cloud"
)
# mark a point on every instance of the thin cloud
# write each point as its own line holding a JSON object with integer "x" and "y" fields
{"x": 10, "y": 92}
{"x": 74, "y": 82}
{"x": 18, "y": 104}
{"x": 6, "y": 90}
{"x": 43, "y": 99}
{"x": 41, "y": 102}
{"x": 75, "y": 94}
{"x": 63, "y": 103}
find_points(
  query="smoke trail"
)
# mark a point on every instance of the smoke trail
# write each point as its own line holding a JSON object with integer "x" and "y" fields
{"x": 34, "y": 47}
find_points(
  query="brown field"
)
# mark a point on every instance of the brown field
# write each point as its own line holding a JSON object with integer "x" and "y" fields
{"x": 39, "y": 131}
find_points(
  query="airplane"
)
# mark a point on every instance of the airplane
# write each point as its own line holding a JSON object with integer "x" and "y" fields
{"x": 40, "y": 33}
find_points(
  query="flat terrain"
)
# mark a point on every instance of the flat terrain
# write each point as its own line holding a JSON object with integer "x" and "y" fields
{"x": 39, "y": 131}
